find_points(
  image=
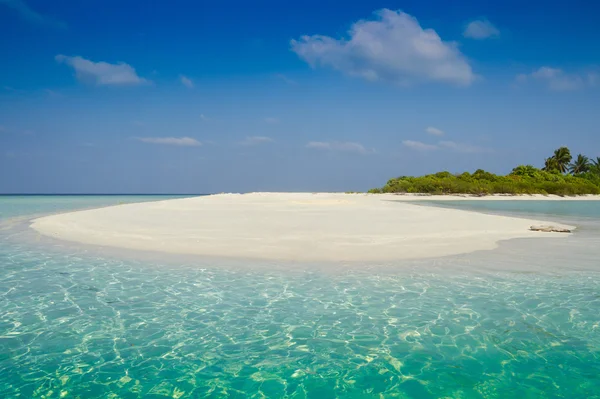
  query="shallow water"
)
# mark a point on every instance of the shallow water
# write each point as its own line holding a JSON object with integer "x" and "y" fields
{"x": 520, "y": 321}
{"x": 584, "y": 209}
{"x": 583, "y": 213}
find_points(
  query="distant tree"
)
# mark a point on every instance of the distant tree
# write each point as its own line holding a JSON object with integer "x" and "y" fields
{"x": 563, "y": 158}
{"x": 595, "y": 167}
{"x": 580, "y": 165}
{"x": 525, "y": 171}
{"x": 443, "y": 174}
{"x": 551, "y": 165}
{"x": 481, "y": 174}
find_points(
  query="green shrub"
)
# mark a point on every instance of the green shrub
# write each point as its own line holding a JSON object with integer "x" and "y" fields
{"x": 524, "y": 179}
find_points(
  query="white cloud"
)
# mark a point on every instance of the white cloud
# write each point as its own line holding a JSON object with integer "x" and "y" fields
{"x": 187, "y": 82}
{"x": 271, "y": 121}
{"x": 254, "y": 140}
{"x": 444, "y": 145}
{"x": 419, "y": 146}
{"x": 546, "y": 73}
{"x": 204, "y": 117}
{"x": 481, "y": 29}
{"x": 102, "y": 73}
{"x": 30, "y": 15}
{"x": 181, "y": 141}
{"x": 392, "y": 48}
{"x": 345, "y": 146}
{"x": 521, "y": 78}
{"x": 556, "y": 79}
{"x": 434, "y": 131}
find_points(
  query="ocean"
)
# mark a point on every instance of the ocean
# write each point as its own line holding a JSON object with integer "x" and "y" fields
{"x": 519, "y": 321}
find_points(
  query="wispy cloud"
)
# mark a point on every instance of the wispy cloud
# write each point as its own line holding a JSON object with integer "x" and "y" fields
{"x": 420, "y": 146}
{"x": 271, "y": 120}
{"x": 204, "y": 117}
{"x": 30, "y": 15}
{"x": 53, "y": 93}
{"x": 180, "y": 141}
{"x": 462, "y": 147}
{"x": 187, "y": 82}
{"x": 47, "y": 92}
{"x": 102, "y": 73}
{"x": 285, "y": 79}
{"x": 558, "y": 80}
{"x": 254, "y": 140}
{"x": 343, "y": 146}
{"x": 481, "y": 29}
{"x": 434, "y": 131}
{"x": 13, "y": 90}
{"x": 444, "y": 145}
{"x": 391, "y": 48}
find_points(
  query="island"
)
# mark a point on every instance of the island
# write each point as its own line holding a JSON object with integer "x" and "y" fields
{"x": 561, "y": 175}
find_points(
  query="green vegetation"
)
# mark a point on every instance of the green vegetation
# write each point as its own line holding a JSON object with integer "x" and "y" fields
{"x": 561, "y": 175}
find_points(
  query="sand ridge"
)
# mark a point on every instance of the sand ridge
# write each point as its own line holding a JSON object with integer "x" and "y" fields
{"x": 289, "y": 226}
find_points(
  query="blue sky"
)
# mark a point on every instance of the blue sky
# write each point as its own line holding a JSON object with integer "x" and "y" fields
{"x": 197, "y": 97}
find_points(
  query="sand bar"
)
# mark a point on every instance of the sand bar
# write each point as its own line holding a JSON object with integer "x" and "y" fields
{"x": 289, "y": 226}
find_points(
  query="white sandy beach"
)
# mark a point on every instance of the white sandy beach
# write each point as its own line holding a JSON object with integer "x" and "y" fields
{"x": 294, "y": 226}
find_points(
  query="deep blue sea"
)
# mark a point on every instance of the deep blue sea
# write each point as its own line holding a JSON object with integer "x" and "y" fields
{"x": 521, "y": 321}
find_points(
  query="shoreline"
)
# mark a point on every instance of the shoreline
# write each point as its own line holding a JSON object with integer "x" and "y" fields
{"x": 450, "y": 197}
{"x": 496, "y": 197}
{"x": 289, "y": 227}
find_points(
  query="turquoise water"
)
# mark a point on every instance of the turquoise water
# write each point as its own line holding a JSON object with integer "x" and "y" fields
{"x": 26, "y": 205}
{"x": 520, "y": 321}
{"x": 583, "y": 209}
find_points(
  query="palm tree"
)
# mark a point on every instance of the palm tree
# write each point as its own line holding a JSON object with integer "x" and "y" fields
{"x": 580, "y": 165}
{"x": 562, "y": 157}
{"x": 595, "y": 167}
{"x": 550, "y": 165}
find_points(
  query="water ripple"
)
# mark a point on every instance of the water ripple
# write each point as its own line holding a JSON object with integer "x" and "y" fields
{"x": 522, "y": 321}
{"x": 96, "y": 328}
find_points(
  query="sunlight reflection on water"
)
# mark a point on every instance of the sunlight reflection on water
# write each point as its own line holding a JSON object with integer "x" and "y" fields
{"x": 518, "y": 321}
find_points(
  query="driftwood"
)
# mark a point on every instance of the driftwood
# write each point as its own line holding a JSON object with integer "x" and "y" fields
{"x": 550, "y": 229}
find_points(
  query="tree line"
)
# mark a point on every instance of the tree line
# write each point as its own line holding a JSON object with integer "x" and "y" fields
{"x": 561, "y": 175}
{"x": 562, "y": 162}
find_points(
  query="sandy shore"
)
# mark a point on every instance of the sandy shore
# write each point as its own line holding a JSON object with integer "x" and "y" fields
{"x": 493, "y": 197}
{"x": 299, "y": 227}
